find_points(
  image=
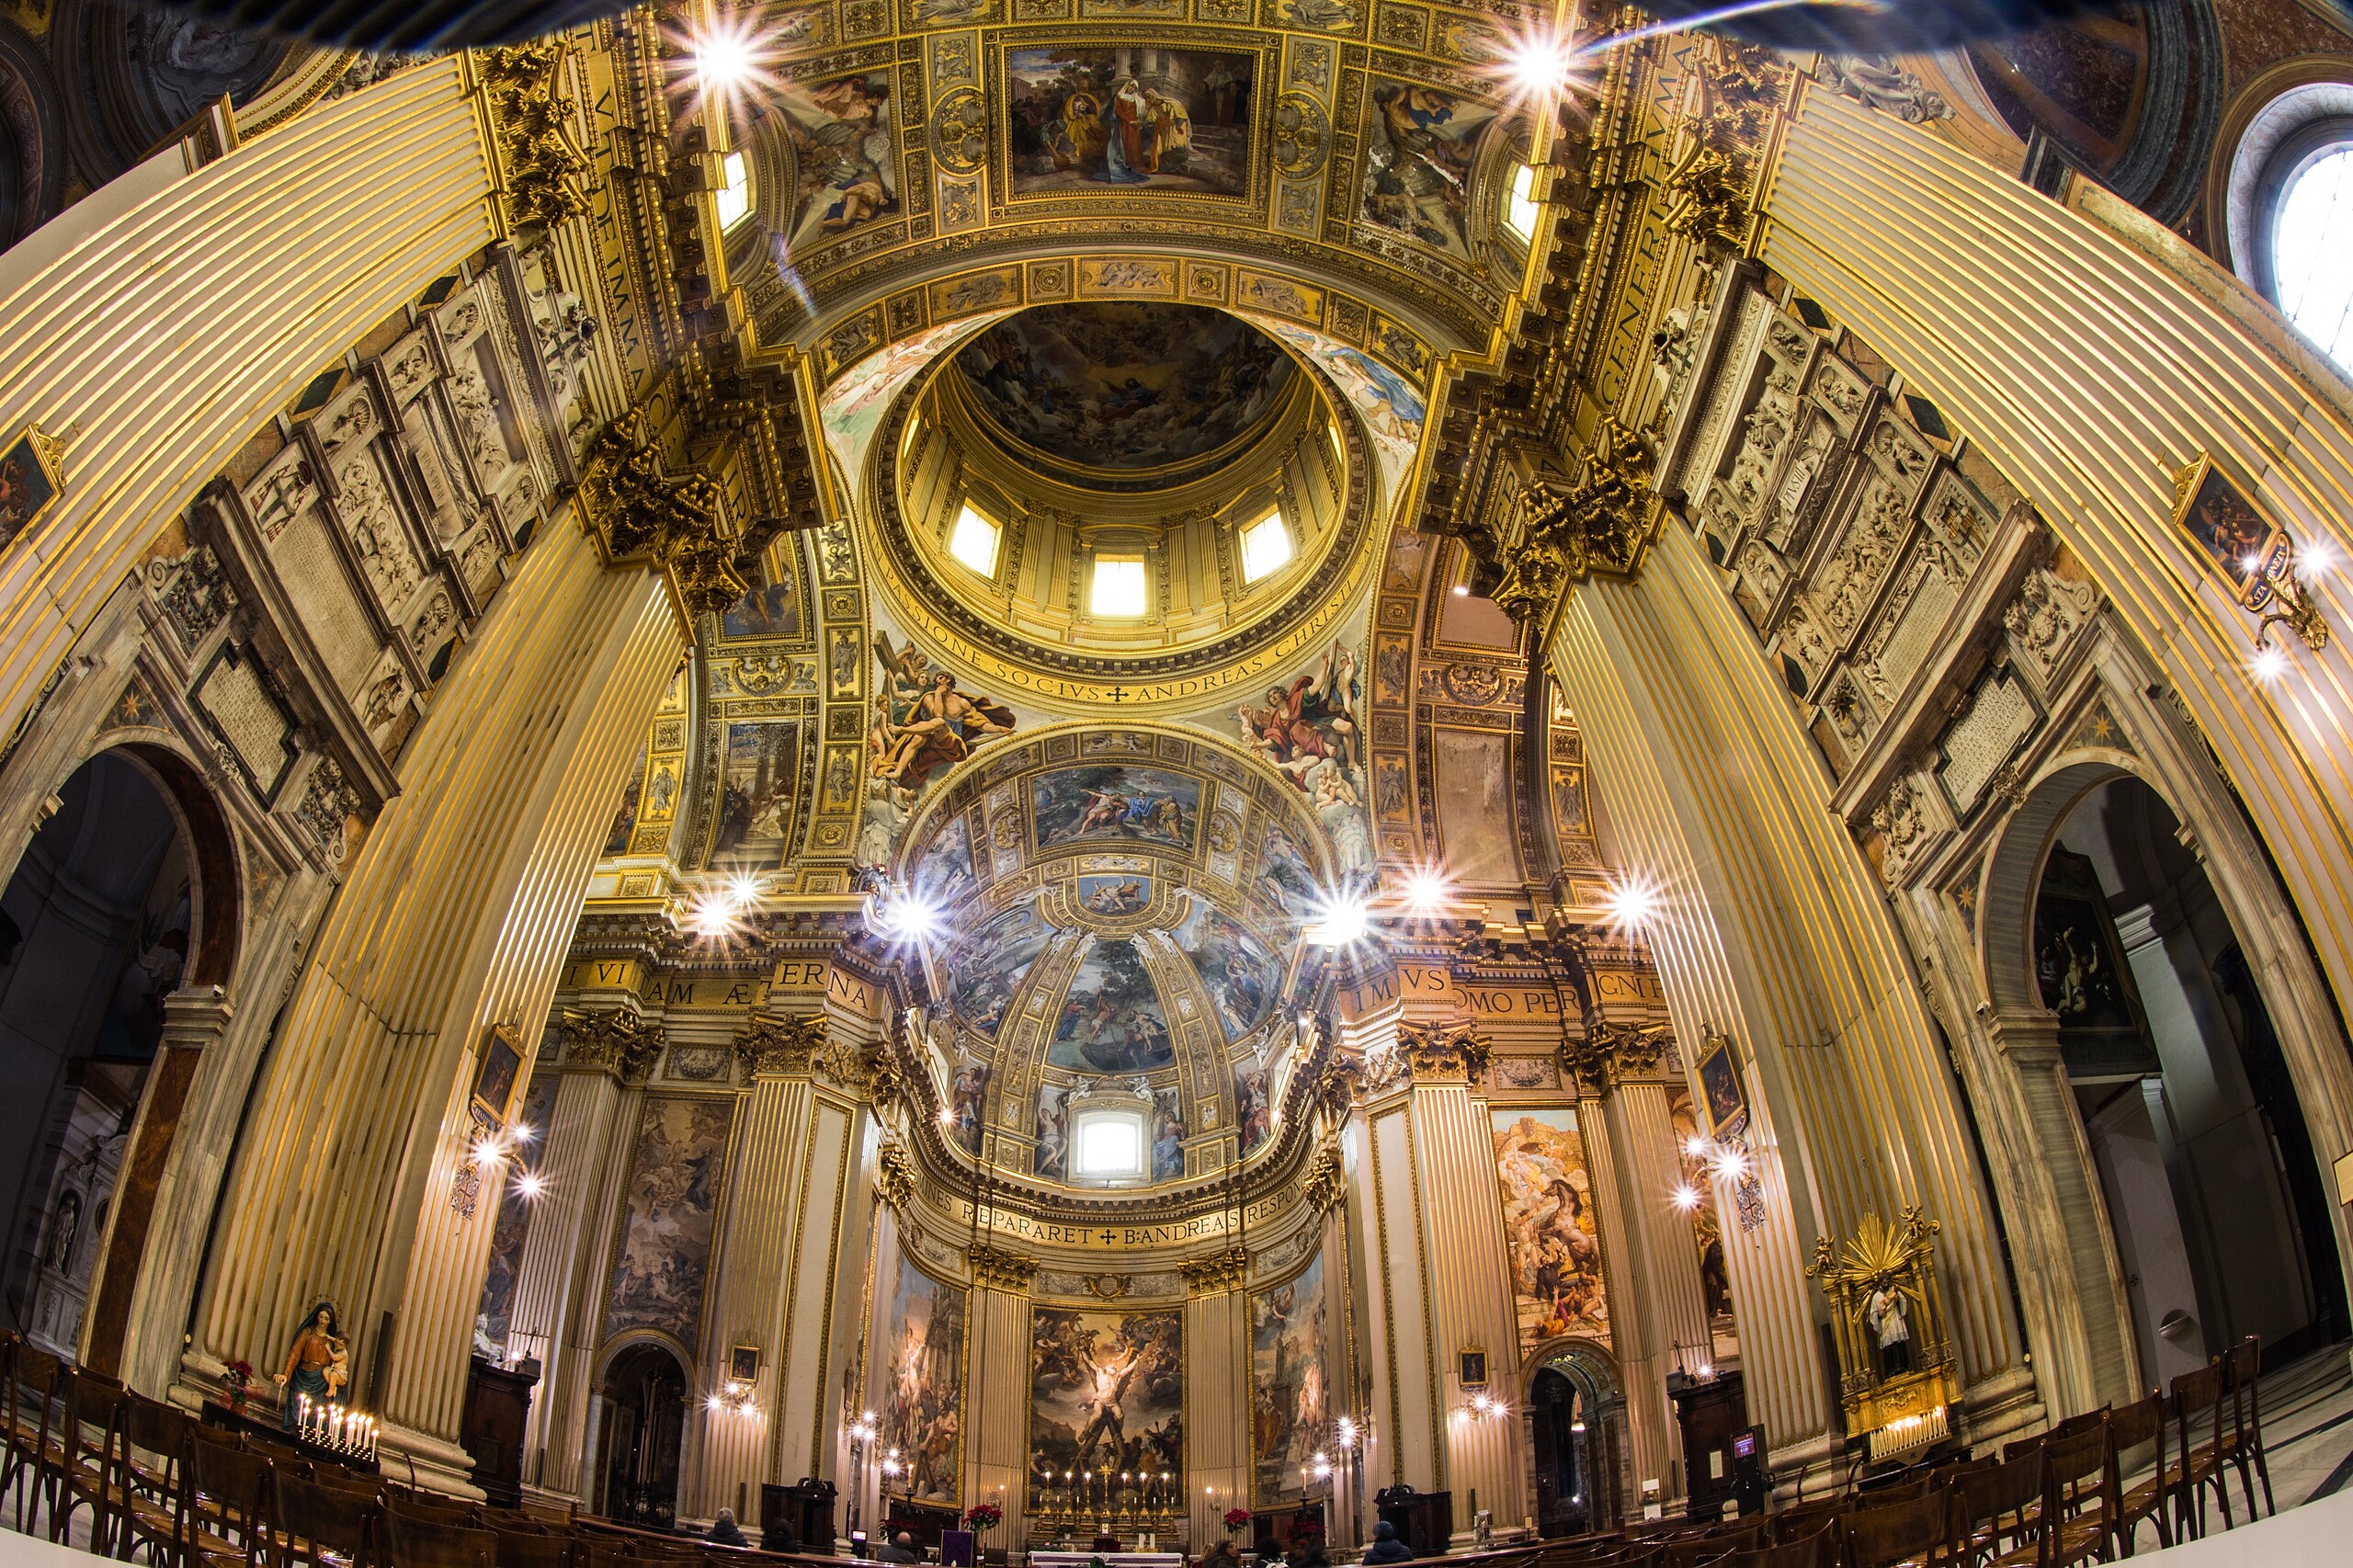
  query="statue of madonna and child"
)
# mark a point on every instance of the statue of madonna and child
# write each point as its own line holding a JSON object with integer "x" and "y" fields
{"x": 319, "y": 1365}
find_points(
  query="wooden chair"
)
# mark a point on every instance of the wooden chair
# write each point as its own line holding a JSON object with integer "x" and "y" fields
{"x": 324, "y": 1524}
{"x": 1819, "y": 1550}
{"x": 531, "y": 1549}
{"x": 2142, "y": 1425}
{"x": 227, "y": 1509}
{"x": 1707, "y": 1544}
{"x": 415, "y": 1541}
{"x": 2079, "y": 1500}
{"x": 2197, "y": 1401}
{"x": 158, "y": 1441}
{"x": 1994, "y": 1515}
{"x": 2243, "y": 1446}
{"x": 1909, "y": 1533}
{"x": 1805, "y": 1519}
{"x": 89, "y": 1462}
{"x": 36, "y": 1379}
{"x": 425, "y": 1508}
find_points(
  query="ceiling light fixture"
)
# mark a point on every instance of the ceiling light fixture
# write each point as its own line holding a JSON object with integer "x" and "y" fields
{"x": 1686, "y": 1198}
{"x": 723, "y": 60}
{"x": 1428, "y": 891}
{"x": 1632, "y": 901}
{"x": 2269, "y": 663}
{"x": 1343, "y": 920}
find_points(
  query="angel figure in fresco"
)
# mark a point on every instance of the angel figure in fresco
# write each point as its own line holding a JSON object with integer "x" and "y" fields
{"x": 923, "y": 722}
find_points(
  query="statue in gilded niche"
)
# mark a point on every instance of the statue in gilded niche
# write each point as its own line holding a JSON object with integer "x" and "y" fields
{"x": 318, "y": 1364}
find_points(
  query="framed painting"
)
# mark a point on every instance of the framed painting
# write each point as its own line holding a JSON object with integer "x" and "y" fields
{"x": 2240, "y": 544}
{"x": 743, "y": 1364}
{"x": 29, "y": 482}
{"x": 1470, "y": 1369}
{"x": 1087, "y": 119}
{"x": 1719, "y": 1083}
{"x": 496, "y": 1071}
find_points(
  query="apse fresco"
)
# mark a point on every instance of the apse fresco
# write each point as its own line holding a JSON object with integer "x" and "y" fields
{"x": 1112, "y": 1020}
{"x": 1101, "y": 119}
{"x": 1168, "y": 1133}
{"x": 1107, "y": 1393}
{"x": 966, "y": 1092}
{"x": 672, "y": 1206}
{"x": 1240, "y": 972}
{"x": 1123, "y": 892}
{"x": 1125, "y": 387}
{"x": 771, "y": 608}
{"x": 1310, "y": 731}
{"x": 493, "y": 1318}
{"x": 758, "y": 762}
{"x": 923, "y": 723}
{"x": 1254, "y": 1105}
{"x": 923, "y": 1335}
{"x": 1391, "y": 407}
{"x": 1418, "y": 151}
{"x": 987, "y": 966}
{"x": 1051, "y": 1159}
{"x": 1549, "y": 1221}
{"x": 943, "y": 868}
{"x": 1286, "y": 875}
{"x": 1290, "y": 1384}
{"x": 1077, "y": 805}
{"x": 840, "y": 135}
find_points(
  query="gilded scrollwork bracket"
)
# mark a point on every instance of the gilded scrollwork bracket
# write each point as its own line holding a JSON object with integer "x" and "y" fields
{"x": 545, "y": 173}
{"x": 678, "y": 523}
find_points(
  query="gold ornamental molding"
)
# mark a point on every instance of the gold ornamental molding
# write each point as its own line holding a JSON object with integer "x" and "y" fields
{"x": 1456, "y": 1053}
{"x": 1224, "y": 1270}
{"x": 894, "y": 1177}
{"x": 1000, "y": 1267}
{"x": 781, "y": 1047}
{"x": 544, "y": 175}
{"x": 1899, "y": 1380}
{"x": 640, "y": 514}
{"x": 1327, "y": 1179}
{"x": 1571, "y": 531}
{"x": 1608, "y": 1054}
{"x": 616, "y": 1041}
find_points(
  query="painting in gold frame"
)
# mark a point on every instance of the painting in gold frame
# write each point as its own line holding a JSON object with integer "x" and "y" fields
{"x": 30, "y": 482}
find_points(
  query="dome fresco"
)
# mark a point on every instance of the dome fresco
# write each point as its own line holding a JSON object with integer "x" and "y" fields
{"x": 1137, "y": 392}
{"x": 1122, "y": 905}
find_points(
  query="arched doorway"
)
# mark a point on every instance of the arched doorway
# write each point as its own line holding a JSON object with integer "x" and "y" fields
{"x": 1558, "y": 1436}
{"x": 2213, "y": 1189}
{"x": 99, "y": 923}
{"x": 1576, "y": 1441}
{"x": 644, "y": 1423}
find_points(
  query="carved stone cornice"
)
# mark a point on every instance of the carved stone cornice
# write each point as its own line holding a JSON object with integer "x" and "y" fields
{"x": 616, "y": 1040}
{"x": 1445, "y": 1053}
{"x": 544, "y": 173}
{"x": 1609, "y": 1053}
{"x": 1222, "y": 1270}
{"x": 868, "y": 1071}
{"x": 679, "y": 524}
{"x": 1569, "y": 531}
{"x": 894, "y": 1177}
{"x": 780, "y": 1047}
{"x": 997, "y": 1267}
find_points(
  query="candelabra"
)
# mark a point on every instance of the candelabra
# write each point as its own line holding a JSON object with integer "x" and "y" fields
{"x": 332, "y": 1426}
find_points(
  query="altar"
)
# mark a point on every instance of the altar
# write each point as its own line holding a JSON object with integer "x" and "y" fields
{"x": 1109, "y": 1559}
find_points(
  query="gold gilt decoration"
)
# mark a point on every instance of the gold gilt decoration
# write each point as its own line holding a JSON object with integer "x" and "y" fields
{"x": 1435, "y": 1051}
{"x": 1897, "y": 1374}
{"x": 614, "y": 1040}
{"x": 1327, "y": 1178}
{"x": 1219, "y": 1271}
{"x": 1738, "y": 90}
{"x": 1704, "y": 199}
{"x": 780, "y": 1047}
{"x": 679, "y": 524}
{"x": 1609, "y": 1053}
{"x": 865, "y": 1070}
{"x": 545, "y": 172}
{"x": 894, "y": 1175}
{"x": 998, "y": 1267}
{"x": 1598, "y": 526}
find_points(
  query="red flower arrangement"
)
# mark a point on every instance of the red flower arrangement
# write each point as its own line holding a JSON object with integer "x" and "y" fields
{"x": 983, "y": 1516}
{"x": 1237, "y": 1518}
{"x": 235, "y": 1376}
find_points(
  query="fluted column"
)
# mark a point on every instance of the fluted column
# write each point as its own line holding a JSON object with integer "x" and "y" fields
{"x": 1389, "y": 1270}
{"x": 560, "y": 1281}
{"x": 1638, "y": 1339}
{"x": 1218, "y": 1370}
{"x": 1771, "y": 929}
{"x": 456, "y": 915}
{"x": 1642, "y": 1130}
{"x": 996, "y": 1382}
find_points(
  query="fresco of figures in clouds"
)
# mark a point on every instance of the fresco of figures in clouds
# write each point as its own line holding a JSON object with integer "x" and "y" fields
{"x": 1112, "y": 1020}
{"x": 1549, "y": 1221}
{"x": 1290, "y": 1384}
{"x": 1241, "y": 973}
{"x": 1115, "y": 802}
{"x": 988, "y": 966}
{"x": 673, "y": 1202}
{"x": 922, "y": 1398}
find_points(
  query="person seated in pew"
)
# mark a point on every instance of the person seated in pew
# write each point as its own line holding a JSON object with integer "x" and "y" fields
{"x": 1386, "y": 1547}
{"x": 902, "y": 1549}
{"x": 724, "y": 1532}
